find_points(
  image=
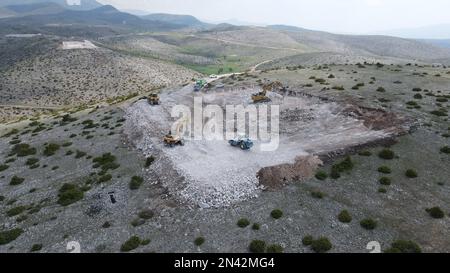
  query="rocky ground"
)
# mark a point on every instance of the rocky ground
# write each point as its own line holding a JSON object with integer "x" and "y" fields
{"x": 44, "y": 215}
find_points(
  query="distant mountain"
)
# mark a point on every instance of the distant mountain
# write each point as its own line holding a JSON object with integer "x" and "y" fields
{"x": 438, "y": 42}
{"x": 427, "y": 32}
{"x": 35, "y": 9}
{"x": 84, "y": 4}
{"x": 5, "y": 13}
{"x": 182, "y": 20}
{"x": 104, "y": 16}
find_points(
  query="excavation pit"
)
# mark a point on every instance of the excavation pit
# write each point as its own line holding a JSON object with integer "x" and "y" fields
{"x": 211, "y": 173}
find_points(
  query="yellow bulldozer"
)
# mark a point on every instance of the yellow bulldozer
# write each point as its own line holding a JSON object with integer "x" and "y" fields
{"x": 176, "y": 138}
{"x": 269, "y": 87}
{"x": 153, "y": 99}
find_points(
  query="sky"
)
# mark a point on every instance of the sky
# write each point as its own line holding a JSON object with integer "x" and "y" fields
{"x": 340, "y": 16}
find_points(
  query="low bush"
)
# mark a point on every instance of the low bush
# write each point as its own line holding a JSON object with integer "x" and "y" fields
{"x": 365, "y": 153}
{"x": 36, "y": 248}
{"x": 10, "y": 235}
{"x": 411, "y": 173}
{"x": 381, "y": 89}
{"x": 321, "y": 175}
{"x": 31, "y": 161}
{"x": 404, "y": 246}
{"x": 321, "y": 245}
{"x": 274, "y": 248}
{"x": 257, "y": 246}
{"x": 276, "y": 214}
{"x": 149, "y": 161}
{"x": 199, "y": 241}
{"x": 307, "y": 240}
{"x": 385, "y": 170}
{"x": 317, "y": 194}
{"x": 15, "y": 211}
{"x": 69, "y": 194}
{"x": 3, "y": 167}
{"x": 368, "y": 224}
{"x": 436, "y": 212}
{"x": 386, "y": 154}
{"x": 136, "y": 182}
{"x": 23, "y": 150}
{"x": 146, "y": 214}
{"x": 51, "y": 149}
{"x": 256, "y": 226}
{"x": 243, "y": 222}
{"x": 385, "y": 181}
{"x": 15, "y": 180}
{"x": 131, "y": 244}
{"x": 445, "y": 150}
{"x": 344, "y": 217}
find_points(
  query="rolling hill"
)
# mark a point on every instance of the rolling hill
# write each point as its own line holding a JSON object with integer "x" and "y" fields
{"x": 182, "y": 20}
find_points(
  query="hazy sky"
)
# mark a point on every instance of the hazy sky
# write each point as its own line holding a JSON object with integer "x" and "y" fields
{"x": 345, "y": 16}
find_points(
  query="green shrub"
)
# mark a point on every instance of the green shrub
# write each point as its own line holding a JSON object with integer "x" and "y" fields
{"x": 69, "y": 194}
{"x": 15, "y": 211}
{"x": 132, "y": 243}
{"x": 256, "y": 226}
{"x": 274, "y": 248}
{"x": 386, "y": 154}
{"x": 385, "y": 181}
{"x": 145, "y": 242}
{"x": 381, "y": 89}
{"x": 136, "y": 182}
{"x": 36, "y": 248}
{"x": 3, "y": 167}
{"x": 307, "y": 240}
{"x": 411, "y": 173}
{"x": 365, "y": 153}
{"x": 106, "y": 162}
{"x": 31, "y": 161}
{"x": 51, "y": 148}
{"x": 436, "y": 213}
{"x": 15, "y": 180}
{"x": 445, "y": 150}
{"x": 382, "y": 190}
{"x": 368, "y": 224}
{"x": 79, "y": 154}
{"x": 2, "y": 198}
{"x": 257, "y": 246}
{"x": 439, "y": 113}
{"x": 321, "y": 175}
{"x": 199, "y": 241}
{"x": 106, "y": 225}
{"x": 335, "y": 174}
{"x": 317, "y": 194}
{"x": 418, "y": 96}
{"x": 104, "y": 178}
{"x": 23, "y": 150}
{"x": 243, "y": 222}
{"x": 146, "y": 214}
{"x": 345, "y": 217}
{"x": 403, "y": 246}
{"x": 276, "y": 214}
{"x": 345, "y": 165}
{"x": 385, "y": 170}
{"x": 149, "y": 161}
{"x": 10, "y": 235}
{"x": 321, "y": 245}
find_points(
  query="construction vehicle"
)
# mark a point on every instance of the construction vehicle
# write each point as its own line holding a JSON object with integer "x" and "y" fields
{"x": 262, "y": 96}
{"x": 176, "y": 138}
{"x": 153, "y": 99}
{"x": 199, "y": 84}
{"x": 242, "y": 142}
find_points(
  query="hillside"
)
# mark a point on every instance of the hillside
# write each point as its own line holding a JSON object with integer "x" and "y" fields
{"x": 84, "y": 4}
{"x": 182, "y": 20}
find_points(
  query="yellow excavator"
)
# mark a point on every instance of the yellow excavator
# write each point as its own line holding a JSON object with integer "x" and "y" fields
{"x": 153, "y": 99}
{"x": 262, "y": 96}
{"x": 176, "y": 138}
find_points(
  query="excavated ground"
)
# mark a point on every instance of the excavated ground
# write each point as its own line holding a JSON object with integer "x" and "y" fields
{"x": 214, "y": 174}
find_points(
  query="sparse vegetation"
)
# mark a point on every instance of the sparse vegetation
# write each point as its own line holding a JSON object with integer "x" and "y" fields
{"x": 243, "y": 222}
{"x": 411, "y": 173}
{"x": 51, "y": 149}
{"x": 257, "y": 246}
{"x": 23, "y": 150}
{"x": 385, "y": 181}
{"x": 131, "y": 244}
{"x": 321, "y": 245}
{"x": 436, "y": 212}
{"x": 15, "y": 180}
{"x": 199, "y": 241}
{"x": 386, "y": 154}
{"x": 345, "y": 217}
{"x": 368, "y": 224}
{"x": 307, "y": 240}
{"x": 321, "y": 175}
{"x": 385, "y": 170}
{"x": 69, "y": 194}
{"x": 136, "y": 182}
{"x": 274, "y": 248}
{"x": 403, "y": 246}
{"x": 10, "y": 235}
{"x": 36, "y": 248}
{"x": 276, "y": 214}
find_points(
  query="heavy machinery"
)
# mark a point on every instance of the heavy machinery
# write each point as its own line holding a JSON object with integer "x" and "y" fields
{"x": 176, "y": 138}
{"x": 242, "y": 142}
{"x": 153, "y": 99}
{"x": 262, "y": 96}
{"x": 199, "y": 84}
